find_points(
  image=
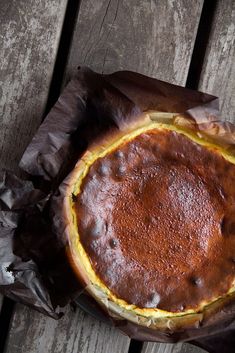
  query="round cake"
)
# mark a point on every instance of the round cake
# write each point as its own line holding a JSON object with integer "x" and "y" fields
{"x": 151, "y": 215}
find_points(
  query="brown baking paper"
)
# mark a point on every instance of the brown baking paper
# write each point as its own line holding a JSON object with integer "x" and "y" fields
{"x": 33, "y": 265}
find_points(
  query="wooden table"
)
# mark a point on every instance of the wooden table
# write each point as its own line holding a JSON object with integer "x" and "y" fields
{"x": 42, "y": 42}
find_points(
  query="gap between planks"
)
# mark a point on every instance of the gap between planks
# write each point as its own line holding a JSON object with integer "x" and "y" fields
{"x": 201, "y": 42}
{"x": 218, "y": 70}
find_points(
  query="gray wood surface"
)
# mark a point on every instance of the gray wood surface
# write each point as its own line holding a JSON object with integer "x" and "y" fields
{"x": 74, "y": 333}
{"x": 218, "y": 74}
{"x": 29, "y": 36}
{"x": 171, "y": 348}
{"x": 152, "y": 37}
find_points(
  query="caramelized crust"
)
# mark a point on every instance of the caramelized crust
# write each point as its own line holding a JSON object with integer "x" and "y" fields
{"x": 157, "y": 220}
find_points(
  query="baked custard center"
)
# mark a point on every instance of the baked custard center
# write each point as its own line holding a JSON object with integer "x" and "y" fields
{"x": 152, "y": 219}
{"x": 167, "y": 216}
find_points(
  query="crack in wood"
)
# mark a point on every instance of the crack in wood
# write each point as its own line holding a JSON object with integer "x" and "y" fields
{"x": 70, "y": 18}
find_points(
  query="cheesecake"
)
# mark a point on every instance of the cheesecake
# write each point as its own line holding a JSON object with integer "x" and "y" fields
{"x": 150, "y": 223}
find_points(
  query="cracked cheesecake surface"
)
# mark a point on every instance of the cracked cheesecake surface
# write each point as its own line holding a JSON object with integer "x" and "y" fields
{"x": 156, "y": 217}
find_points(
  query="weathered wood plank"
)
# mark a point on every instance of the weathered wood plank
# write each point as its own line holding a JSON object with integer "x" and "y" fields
{"x": 75, "y": 332}
{"x": 27, "y": 57}
{"x": 218, "y": 73}
{"x": 152, "y": 37}
{"x": 171, "y": 348}
{"x": 29, "y": 37}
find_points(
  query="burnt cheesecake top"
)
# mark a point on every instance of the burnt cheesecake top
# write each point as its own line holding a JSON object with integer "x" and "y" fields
{"x": 156, "y": 217}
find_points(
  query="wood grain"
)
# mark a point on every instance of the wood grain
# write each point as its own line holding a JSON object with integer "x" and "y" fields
{"x": 74, "y": 333}
{"x": 29, "y": 37}
{"x": 171, "y": 348}
{"x": 218, "y": 73}
{"x": 152, "y": 37}
{"x": 27, "y": 57}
